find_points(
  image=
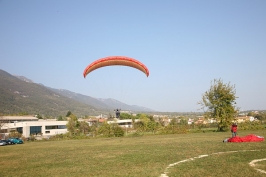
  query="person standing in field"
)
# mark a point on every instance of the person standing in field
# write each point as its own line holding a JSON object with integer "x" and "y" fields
{"x": 234, "y": 129}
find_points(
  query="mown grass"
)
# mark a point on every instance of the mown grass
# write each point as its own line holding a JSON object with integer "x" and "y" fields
{"x": 135, "y": 156}
{"x": 262, "y": 165}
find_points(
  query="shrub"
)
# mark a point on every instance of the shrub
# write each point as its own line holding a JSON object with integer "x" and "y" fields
{"x": 111, "y": 130}
{"x": 15, "y": 134}
{"x": 174, "y": 129}
{"x": 255, "y": 125}
{"x": 118, "y": 131}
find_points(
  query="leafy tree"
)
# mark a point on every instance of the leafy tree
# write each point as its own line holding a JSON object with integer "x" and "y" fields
{"x": 68, "y": 113}
{"x": 93, "y": 130}
{"x": 105, "y": 129}
{"x": 220, "y": 103}
{"x": 110, "y": 130}
{"x": 39, "y": 116}
{"x": 173, "y": 121}
{"x": 151, "y": 117}
{"x": 153, "y": 126}
{"x": 84, "y": 127}
{"x": 145, "y": 120}
{"x": 261, "y": 116}
{"x": 251, "y": 114}
{"x": 183, "y": 121}
{"x": 146, "y": 123}
{"x": 118, "y": 131}
{"x": 60, "y": 118}
{"x": 138, "y": 116}
{"x": 161, "y": 121}
{"x": 125, "y": 116}
{"x": 73, "y": 124}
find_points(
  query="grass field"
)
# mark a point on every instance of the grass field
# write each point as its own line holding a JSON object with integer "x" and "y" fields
{"x": 144, "y": 156}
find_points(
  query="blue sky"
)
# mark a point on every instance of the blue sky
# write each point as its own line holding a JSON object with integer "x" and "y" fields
{"x": 185, "y": 45}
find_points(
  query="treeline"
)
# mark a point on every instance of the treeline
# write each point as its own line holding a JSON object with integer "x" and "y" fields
{"x": 143, "y": 124}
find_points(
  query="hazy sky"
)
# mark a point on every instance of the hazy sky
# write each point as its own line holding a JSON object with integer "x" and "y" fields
{"x": 185, "y": 45}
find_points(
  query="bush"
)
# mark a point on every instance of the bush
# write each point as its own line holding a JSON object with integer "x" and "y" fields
{"x": 255, "y": 125}
{"x": 112, "y": 130}
{"x": 118, "y": 131}
{"x": 15, "y": 134}
{"x": 174, "y": 129}
{"x": 31, "y": 138}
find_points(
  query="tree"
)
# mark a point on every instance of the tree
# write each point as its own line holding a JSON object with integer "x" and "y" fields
{"x": 118, "y": 131}
{"x": 105, "y": 130}
{"x": 261, "y": 116}
{"x": 153, "y": 126}
{"x": 220, "y": 103}
{"x": 125, "y": 116}
{"x": 183, "y": 121}
{"x": 60, "y": 118}
{"x": 173, "y": 121}
{"x": 84, "y": 127}
{"x": 111, "y": 130}
{"x": 146, "y": 123}
{"x": 73, "y": 124}
{"x": 251, "y": 114}
{"x": 39, "y": 116}
{"x": 68, "y": 113}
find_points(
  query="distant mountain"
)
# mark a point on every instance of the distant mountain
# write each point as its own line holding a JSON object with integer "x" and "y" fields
{"x": 17, "y": 96}
{"x": 101, "y": 103}
{"x": 117, "y": 104}
{"x": 24, "y": 79}
{"x": 81, "y": 98}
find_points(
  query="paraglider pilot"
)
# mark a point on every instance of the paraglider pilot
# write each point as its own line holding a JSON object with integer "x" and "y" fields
{"x": 117, "y": 113}
{"x": 234, "y": 129}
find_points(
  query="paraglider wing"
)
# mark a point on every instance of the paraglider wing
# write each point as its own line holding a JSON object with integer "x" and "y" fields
{"x": 248, "y": 138}
{"x": 116, "y": 60}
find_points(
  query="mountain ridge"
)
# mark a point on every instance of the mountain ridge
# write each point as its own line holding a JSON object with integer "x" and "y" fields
{"x": 20, "y": 94}
{"x": 101, "y": 103}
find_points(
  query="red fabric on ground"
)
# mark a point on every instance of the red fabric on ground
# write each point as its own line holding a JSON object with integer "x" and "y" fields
{"x": 248, "y": 138}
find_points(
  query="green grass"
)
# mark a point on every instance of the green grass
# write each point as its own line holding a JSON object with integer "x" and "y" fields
{"x": 135, "y": 156}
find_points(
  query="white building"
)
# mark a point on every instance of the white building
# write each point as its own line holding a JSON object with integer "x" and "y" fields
{"x": 126, "y": 123}
{"x": 33, "y": 126}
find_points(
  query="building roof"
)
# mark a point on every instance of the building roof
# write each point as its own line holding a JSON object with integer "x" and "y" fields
{"x": 19, "y": 118}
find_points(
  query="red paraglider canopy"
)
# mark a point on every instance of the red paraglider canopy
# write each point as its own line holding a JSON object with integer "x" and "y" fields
{"x": 116, "y": 60}
{"x": 248, "y": 138}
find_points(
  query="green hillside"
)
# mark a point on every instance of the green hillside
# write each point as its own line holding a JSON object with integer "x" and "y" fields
{"x": 17, "y": 96}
